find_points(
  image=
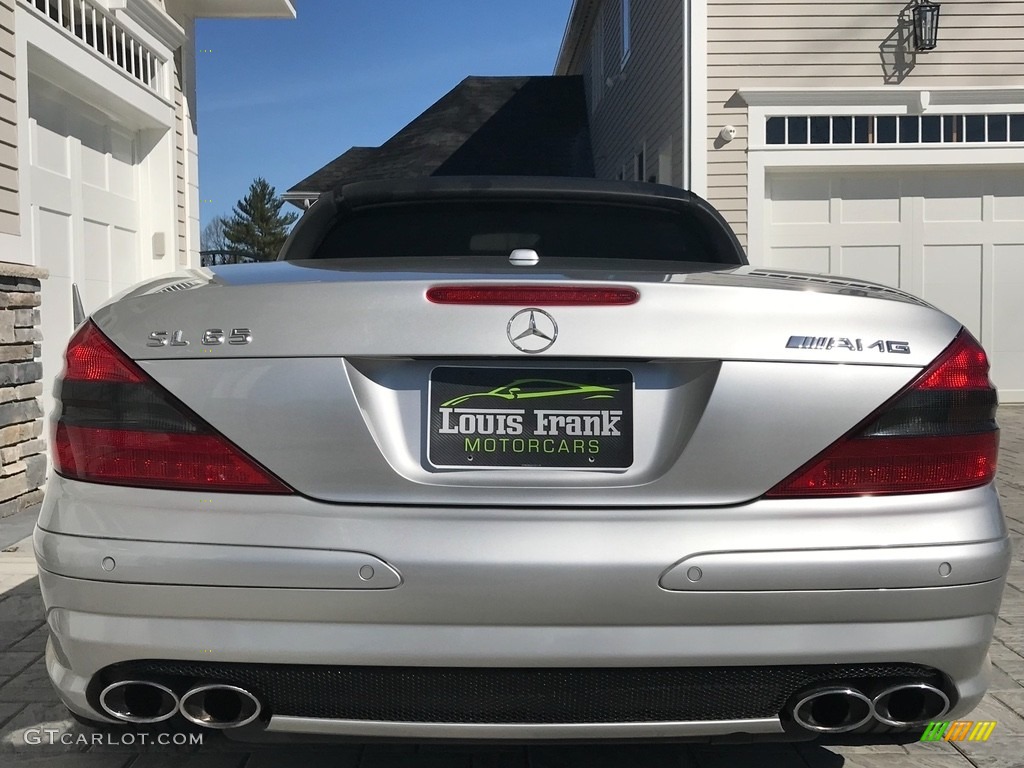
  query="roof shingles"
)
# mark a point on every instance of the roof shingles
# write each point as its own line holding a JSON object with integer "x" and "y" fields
{"x": 523, "y": 126}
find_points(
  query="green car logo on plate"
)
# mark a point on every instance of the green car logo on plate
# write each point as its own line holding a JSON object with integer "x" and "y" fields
{"x": 526, "y": 389}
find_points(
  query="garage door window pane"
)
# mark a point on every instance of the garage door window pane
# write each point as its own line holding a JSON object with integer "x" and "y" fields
{"x": 842, "y": 130}
{"x": 931, "y": 129}
{"x": 798, "y": 130}
{"x": 975, "y": 130}
{"x": 910, "y": 130}
{"x": 1016, "y": 127}
{"x": 862, "y": 130}
{"x": 997, "y": 128}
{"x": 886, "y": 130}
{"x": 820, "y": 130}
{"x": 953, "y": 128}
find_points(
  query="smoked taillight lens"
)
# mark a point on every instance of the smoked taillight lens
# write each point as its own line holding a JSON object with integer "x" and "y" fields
{"x": 114, "y": 424}
{"x": 938, "y": 434}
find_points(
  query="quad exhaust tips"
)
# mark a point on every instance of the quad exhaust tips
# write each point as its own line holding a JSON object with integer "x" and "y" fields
{"x": 139, "y": 701}
{"x": 910, "y": 704}
{"x": 219, "y": 706}
{"x": 837, "y": 709}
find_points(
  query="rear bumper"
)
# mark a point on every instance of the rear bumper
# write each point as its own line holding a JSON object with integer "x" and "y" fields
{"x": 85, "y": 643}
{"x": 531, "y": 590}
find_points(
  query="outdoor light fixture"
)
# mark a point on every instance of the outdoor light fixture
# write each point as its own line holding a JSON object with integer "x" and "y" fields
{"x": 926, "y": 25}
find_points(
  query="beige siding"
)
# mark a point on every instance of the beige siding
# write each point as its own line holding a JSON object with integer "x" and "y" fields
{"x": 810, "y": 43}
{"x": 643, "y": 105}
{"x": 8, "y": 123}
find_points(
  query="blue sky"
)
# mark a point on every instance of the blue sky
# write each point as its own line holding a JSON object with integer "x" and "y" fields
{"x": 280, "y": 99}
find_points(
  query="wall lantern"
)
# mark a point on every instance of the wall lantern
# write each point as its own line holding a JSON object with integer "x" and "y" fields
{"x": 926, "y": 25}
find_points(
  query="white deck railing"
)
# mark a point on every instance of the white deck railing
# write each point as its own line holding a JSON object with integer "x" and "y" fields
{"x": 94, "y": 27}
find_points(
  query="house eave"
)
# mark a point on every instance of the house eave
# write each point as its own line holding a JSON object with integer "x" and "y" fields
{"x": 243, "y": 9}
{"x": 300, "y": 199}
{"x": 575, "y": 27}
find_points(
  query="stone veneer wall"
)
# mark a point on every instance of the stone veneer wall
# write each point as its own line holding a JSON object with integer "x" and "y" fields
{"x": 22, "y": 445}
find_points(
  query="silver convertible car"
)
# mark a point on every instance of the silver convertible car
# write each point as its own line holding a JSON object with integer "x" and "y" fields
{"x": 521, "y": 459}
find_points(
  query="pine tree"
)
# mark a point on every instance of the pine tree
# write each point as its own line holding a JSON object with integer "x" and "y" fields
{"x": 257, "y": 225}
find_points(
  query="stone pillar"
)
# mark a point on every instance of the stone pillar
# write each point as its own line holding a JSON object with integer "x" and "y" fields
{"x": 22, "y": 445}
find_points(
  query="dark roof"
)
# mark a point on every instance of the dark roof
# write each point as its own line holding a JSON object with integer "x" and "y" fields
{"x": 525, "y": 126}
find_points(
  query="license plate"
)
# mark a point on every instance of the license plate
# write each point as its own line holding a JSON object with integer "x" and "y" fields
{"x": 507, "y": 418}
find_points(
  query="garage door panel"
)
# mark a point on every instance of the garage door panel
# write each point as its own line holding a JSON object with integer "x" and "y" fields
{"x": 94, "y": 293}
{"x": 48, "y": 132}
{"x": 1007, "y": 340}
{"x": 122, "y": 164}
{"x": 97, "y": 246}
{"x": 93, "y": 138}
{"x": 869, "y": 200}
{"x": 124, "y": 258}
{"x": 53, "y": 236}
{"x": 1008, "y": 207}
{"x": 49, "y": 150}
{"x": 800, "y": 199}
{"x": 878, "y": 263}
{"x": 951, "y": 198}
{"x": 951, "y": 280}
{"x": 110, "y": 208}
{"x": 812, "y": 259}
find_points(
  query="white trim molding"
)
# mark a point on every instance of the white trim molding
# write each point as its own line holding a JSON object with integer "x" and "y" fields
{"x": 695, "y": 96}
{"x": 916, "y": 99}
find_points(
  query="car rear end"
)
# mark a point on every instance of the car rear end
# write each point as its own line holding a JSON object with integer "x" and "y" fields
{"x": 589, "y": 495}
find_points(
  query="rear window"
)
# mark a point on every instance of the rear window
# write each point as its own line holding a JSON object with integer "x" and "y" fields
{"x": 554, "y": 230}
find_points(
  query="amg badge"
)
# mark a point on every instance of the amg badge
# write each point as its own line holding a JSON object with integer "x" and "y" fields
{"x": 851, "y": 345}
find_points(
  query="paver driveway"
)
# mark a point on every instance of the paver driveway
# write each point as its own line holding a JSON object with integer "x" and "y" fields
{"x": 28, "y": 706}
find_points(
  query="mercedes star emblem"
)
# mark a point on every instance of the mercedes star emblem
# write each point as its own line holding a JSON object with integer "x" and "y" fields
{"x": 532, "y": 330}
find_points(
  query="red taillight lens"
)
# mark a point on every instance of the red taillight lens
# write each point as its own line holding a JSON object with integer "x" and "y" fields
{"x": 939, "y": 434}
{"x": 537, "y": 295}
{"x": 91, "y": 357}
{"x": 114, "y": 424}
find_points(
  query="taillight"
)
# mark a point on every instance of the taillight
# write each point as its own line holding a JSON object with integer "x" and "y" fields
{"x": 938, "y": 434}
{"x": 536, "y": 295}
{"x": 114, "y": 424}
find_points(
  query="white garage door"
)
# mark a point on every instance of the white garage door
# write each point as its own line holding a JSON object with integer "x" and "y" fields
{"x": 83, "y": 194}
{"x": 954, "y": 238}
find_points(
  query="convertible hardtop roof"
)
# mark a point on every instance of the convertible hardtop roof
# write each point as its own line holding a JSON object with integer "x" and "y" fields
{"x": 357, "y": 194}
{"x": 348, "y": 199}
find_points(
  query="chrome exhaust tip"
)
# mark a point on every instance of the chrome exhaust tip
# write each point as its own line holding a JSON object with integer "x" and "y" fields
{"x": 219, "y": 706}
{"x": 910, "y": 704}
{"x": 139, "y": 701}
{"x": 836, "y": 709}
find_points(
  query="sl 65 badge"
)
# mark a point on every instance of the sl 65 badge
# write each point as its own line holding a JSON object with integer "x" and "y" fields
{"x": 212, "y": 337}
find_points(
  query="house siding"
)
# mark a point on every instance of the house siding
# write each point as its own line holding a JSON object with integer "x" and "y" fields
{"x": 9, "y": 223}
{"x": 642, "y": 109}
{"x": 808, "y": 43}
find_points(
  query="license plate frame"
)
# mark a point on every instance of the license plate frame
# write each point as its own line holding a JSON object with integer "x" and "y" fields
{"x": 511, "y": 417}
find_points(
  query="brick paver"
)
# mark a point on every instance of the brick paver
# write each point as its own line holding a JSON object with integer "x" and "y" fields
{"x": 27, "y": 703}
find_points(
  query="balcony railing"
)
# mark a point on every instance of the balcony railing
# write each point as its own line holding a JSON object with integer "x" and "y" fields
{"x": 94, "y": 27}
